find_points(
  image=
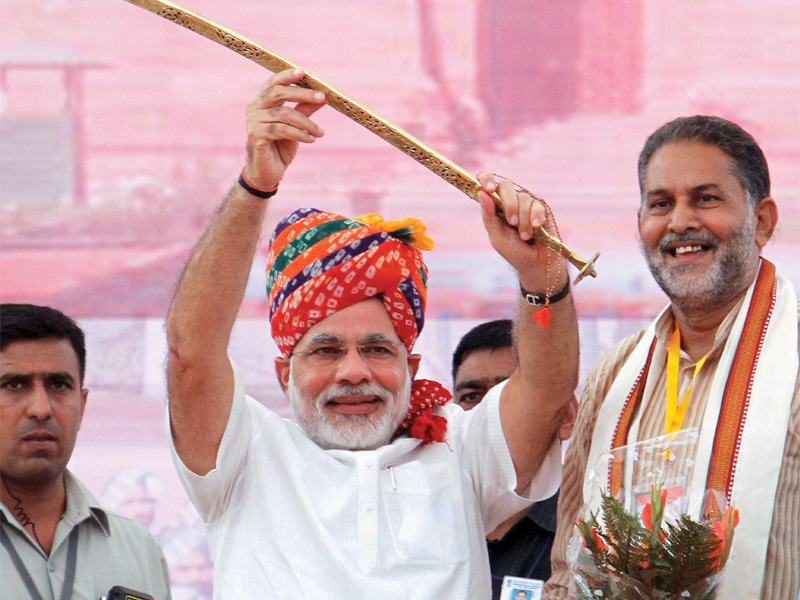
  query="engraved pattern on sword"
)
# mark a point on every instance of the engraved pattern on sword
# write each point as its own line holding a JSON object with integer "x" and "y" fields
{"x": 398, "y": 138}
{"x": 363, "y": 117}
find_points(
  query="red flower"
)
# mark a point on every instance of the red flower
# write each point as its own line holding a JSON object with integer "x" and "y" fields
{"x": 647, "y": 516}
{"x": 652, "y": 518}
{"x": 723, "y": 531}
{"x": 598, "y": 540}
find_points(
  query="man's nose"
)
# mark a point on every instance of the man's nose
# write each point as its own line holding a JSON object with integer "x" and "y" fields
{"x": 683, "y": 217}
{"x": 352, "y": 367}
{"x": 39, "y": 405}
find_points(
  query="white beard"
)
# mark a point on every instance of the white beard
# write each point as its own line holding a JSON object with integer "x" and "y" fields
{"x": 349, "y": 432}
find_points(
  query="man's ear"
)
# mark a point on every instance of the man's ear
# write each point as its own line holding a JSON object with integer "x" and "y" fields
{"x": 84, "y": 398}
{"x": 283, "y": 367}
{"x": 766, "y": 212}
{"x": 570, "y": 414}
{"x": 413, "y": 364}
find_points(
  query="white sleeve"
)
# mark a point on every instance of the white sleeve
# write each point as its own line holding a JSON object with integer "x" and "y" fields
{"x": 212, "y": 493}
{"x": 488, "y": 460}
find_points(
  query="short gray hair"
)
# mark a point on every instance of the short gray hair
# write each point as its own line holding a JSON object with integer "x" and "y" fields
{"x": 749, "y": 164}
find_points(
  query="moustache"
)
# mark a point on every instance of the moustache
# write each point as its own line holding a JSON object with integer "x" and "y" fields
{"x": 30, "y": 427}
{"x": 709, "y": 240}
{"x": 366, "y": 389}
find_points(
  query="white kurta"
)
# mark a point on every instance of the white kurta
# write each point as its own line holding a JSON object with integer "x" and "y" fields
{"x": 287, "y": 519}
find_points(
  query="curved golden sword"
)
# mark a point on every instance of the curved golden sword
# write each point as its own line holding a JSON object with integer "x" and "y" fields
{"x": 397, "y": 137}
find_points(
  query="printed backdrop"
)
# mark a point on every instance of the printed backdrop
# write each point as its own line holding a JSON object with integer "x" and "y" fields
{"x": 120, "y": 133}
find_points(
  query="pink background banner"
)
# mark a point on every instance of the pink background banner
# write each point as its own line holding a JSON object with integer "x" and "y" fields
{"x": 120, "y": 133}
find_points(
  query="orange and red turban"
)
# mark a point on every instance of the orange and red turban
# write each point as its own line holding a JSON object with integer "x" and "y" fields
{"x": 319, "y": 263}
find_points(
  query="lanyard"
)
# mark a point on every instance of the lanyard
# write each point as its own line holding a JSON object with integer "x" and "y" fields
{"x": 69, "y": 574}
{"x": 676, "y": 413}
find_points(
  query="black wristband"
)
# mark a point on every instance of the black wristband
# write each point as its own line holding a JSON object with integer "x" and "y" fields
{"x": 542, "y": 300}
{"x": 256, "y": 192}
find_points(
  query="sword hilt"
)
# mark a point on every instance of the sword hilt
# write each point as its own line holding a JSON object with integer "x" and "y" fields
{"x": 585, "y": 267}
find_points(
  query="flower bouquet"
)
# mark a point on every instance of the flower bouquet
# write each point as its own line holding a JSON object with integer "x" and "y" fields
{"x": 643, "y": 543}
{"x": 630, "y": 557}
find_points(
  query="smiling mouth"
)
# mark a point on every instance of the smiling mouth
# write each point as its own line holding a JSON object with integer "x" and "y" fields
{"x": 681, "y": 250}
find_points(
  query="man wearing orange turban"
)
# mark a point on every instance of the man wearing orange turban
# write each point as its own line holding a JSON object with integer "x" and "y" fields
{"x": 380, "y": 488}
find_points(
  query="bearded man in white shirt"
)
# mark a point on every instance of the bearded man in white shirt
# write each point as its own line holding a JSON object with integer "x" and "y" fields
{"x": 379, "y": 489}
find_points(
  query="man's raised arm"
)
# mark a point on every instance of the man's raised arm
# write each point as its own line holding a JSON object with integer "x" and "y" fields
{"x": 540, "y": 392}
{"x": 213, "y": 283}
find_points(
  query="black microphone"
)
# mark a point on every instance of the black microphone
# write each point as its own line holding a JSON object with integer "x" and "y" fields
{"x": 122, "y": 593}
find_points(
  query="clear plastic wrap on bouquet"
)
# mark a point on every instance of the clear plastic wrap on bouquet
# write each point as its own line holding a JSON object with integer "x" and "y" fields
{"x": 648, "y": 541}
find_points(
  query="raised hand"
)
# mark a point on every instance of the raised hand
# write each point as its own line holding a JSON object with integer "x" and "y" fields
{"x": 275, "y": 130}
{"x": 510, "y": 236}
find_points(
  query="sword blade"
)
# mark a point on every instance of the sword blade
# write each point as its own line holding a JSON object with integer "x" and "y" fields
{"x": 396, "y": 136}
